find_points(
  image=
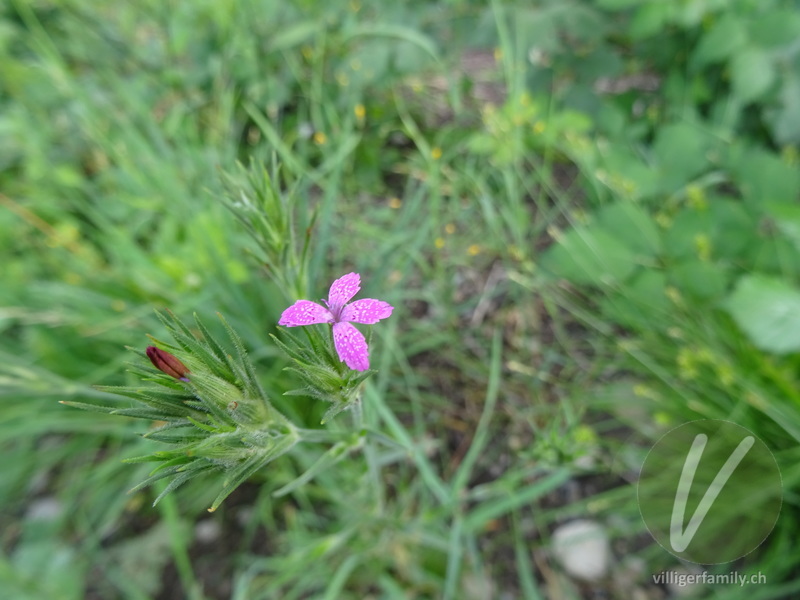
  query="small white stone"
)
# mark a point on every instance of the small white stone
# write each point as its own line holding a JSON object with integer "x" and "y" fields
{"x": 683, "y": 581}
{"x": 305, "y": 130}
{"x": 44, "y": 509}
{"x": 244, "y": 515}
{"x": 582, "y": 549}
{"x": 587, "y": 461}
{"x": 207, "y": 531}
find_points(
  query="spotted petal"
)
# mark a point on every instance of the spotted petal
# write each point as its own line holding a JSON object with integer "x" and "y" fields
{"x": 351, "y": 346}
{"x": 342, "y": 290}
{"x": 305, "y": 312}
{"x": 367, "y": 311}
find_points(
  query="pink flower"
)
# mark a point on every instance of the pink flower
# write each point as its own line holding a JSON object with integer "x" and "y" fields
{"x": 349, "y": 341}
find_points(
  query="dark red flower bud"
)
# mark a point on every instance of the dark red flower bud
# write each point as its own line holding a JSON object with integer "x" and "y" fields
{"x": 167, "y": 363}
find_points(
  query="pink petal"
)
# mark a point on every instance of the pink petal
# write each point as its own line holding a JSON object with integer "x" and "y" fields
{"x": 305, "y": 312}
{"x": 342, "y": 290}
{"x": 351, "y": 346}
{"x": 366, "y": 310}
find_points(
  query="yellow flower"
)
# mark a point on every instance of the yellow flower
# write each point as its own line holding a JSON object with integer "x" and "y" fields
{"x": 696, "y": 197}
{"x": 673, "y": 294}
{"x": 790, "y": 156}
{"x": 439, "y": 242}
{"x": 436, "y": 153}
{"x": 474, "y": 249}
{"x": 395, "y": 203}
{"x": 702, "y": 244}
{"x": 360, "y": 111}
{"x": 320, "y": 138}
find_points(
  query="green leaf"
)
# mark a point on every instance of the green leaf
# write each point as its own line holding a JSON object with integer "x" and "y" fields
{"x": 752, "y": 74}
{"x": 334, "y": 409}
{"x": 775, "y": 28}
{"x": 776, "y": 256}
{"x": 703, "y": 280}
{"x": 764, "y": 177}
{"x": 294, "y": 35}
{"x": 235, "y": 477}
{"x": 89, "y": 407}
{"x": 140, "y": 413}
{"x": 767, "y": 310}
{"x": 787, "y": 218}
{"x": 510, "y": 500}
{"x": 724, "y": 38}
{"x": 332, "y": 456}
{"x": 644, "y": 304}
{"x": 681, "y": 151}
{"x": 397, "y": 32}
{"x": 785, "y": 118}
{"x": 588, "y": 255}
{"x": 618, "y": 4}
{"x": 624, "y": 163}
{"x": 734, "y": 230}
{"x": 212, "y": 343}
{"x": 691, "y": 13}
{"x": 651, "y": 18}
{"x": 632, "y": 225}
{"x": 680, "y": 240}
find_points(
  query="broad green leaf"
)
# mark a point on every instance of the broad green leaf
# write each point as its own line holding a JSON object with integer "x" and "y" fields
{"x": 734, "y": 231}
{"x": 723, "y": 229}
{"x": 787, "y": 218}
{"x": 775, "y": 255}
{"x": 651, "y": 18}
{"x": 703, "y": 280}
{"x": 632, "y": 225}
{"x": 692, "y": 12}
{"x": 767, "y": 309}
{"x": 628, "y": 167}
{"x": 538, "y": 28}
{"x": 681, "y": 151}
{"x": 764, "y": 177}
{"x": 752, "y": 73}
{"x": 785, "y": 118}
{"x": 775, "y": 28}
{"x": 588, "y": 255}
{"x": 680, "y": 240}
{"x": 581, "y": 22}
{"x": 724, "y": 38}
{"x": 643, "y": 305}
{"x": 619, "y": 4}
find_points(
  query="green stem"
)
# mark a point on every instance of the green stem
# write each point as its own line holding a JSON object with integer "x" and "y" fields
{"x": 358, "y": 412}
{"x": 180, "y": 551}
{"x": 316, "y": 436}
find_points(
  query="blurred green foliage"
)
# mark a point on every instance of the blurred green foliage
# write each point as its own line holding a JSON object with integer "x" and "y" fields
{"x": 585, "y": 212}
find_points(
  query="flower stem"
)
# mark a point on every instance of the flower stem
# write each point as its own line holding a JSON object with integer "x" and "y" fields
{"x": 317, "y": 436}
{"x": 358, "y": 412}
